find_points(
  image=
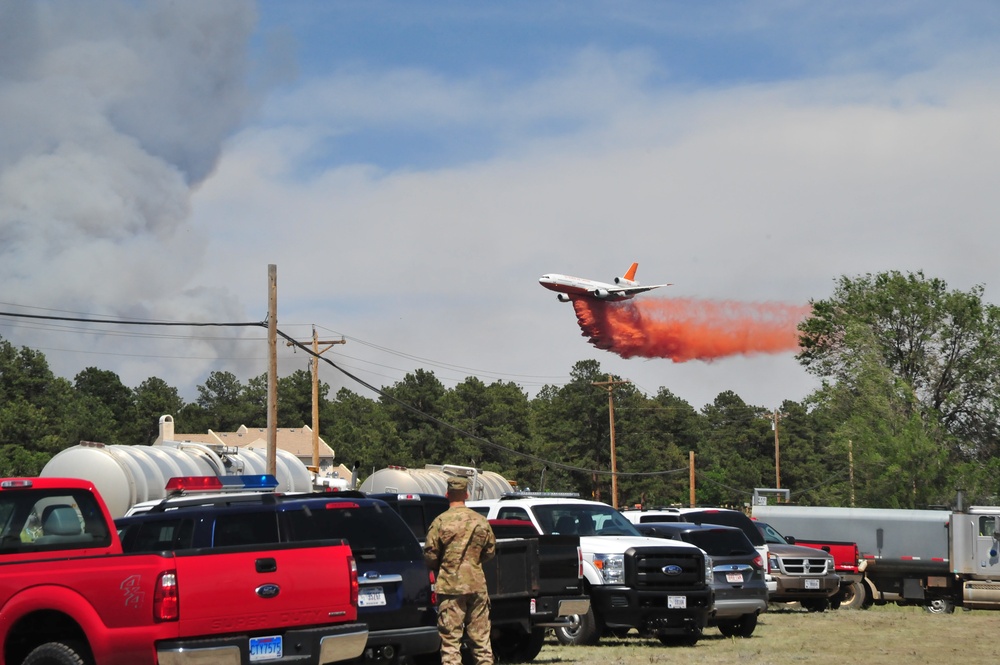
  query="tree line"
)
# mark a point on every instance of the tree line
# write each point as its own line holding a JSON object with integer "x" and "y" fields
{"x": 907, "y": 413}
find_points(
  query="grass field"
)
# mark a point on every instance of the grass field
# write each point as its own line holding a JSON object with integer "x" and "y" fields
{"x": 885, "y": 635}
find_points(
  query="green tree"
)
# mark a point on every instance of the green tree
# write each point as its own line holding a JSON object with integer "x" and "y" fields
{"x": 106, "y": 389}
{"x": 408, "y": 403}
{"x": 225, "y": 402}
{"x": 736, "y": 453}
{"x": 153, "y": 399}
{"x": 899, "y": 459}
{"x": 944, "y": 345}
{"x": 361, "y": 432}
{"x": 572, "y": 426}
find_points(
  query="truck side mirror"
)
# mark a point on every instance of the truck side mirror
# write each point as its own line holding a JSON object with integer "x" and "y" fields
{"x": 790, "y": 540}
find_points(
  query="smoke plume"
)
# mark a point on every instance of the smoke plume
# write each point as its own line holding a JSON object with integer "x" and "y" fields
{"x": 687, "y": 329}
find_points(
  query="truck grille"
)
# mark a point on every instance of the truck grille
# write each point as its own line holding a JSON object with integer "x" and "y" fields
{"x": 803, "y": 566}
{"x": 652, "y": 568}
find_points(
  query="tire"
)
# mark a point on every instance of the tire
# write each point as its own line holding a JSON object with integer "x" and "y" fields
{"x": 57, "y": 653}
{"x": 742, "y": 627}
{"x": 516, "y": 646}
{"x": 816, "y": 605}
{"x": 583, "y": 632}
{"x": 940, "y": 606}
{"x": 853, "y": 597}
{"x": 688, "y": 639}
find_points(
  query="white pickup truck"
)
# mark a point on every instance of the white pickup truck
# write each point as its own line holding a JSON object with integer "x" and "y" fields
{"x": 661, "y": 589}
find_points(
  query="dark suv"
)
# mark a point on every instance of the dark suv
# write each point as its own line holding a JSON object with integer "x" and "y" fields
{"x": 737, "y": 568}
{"x": 395, "y": 595}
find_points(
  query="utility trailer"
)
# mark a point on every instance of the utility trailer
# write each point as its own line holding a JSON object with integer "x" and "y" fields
{"x": 939, "y": 559}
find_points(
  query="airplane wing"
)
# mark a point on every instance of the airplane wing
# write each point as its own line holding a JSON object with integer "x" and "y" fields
{"x": 623, "y": 292}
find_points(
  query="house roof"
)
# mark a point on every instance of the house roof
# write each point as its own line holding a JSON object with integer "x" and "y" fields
{"x": 296, "y": 440}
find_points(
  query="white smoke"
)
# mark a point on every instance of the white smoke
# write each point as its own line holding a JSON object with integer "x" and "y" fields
{"x": 111, "y": 112}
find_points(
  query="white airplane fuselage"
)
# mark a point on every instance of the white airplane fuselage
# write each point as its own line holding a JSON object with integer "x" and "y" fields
{"x": 567, "y": 286}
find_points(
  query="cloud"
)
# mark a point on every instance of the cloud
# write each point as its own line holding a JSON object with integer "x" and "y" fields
{"x": 113, "y": 112}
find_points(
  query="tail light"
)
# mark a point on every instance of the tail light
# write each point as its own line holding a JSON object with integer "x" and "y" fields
{"x": 579, "y": 563}
{"x": 434, "y": 596}
{"x": 352, "y": 566}
{"x": 166, "y": 602}
{"x": 758, "y": 562}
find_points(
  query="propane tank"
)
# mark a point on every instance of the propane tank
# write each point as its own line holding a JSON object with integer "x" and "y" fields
{"x": 126, "y": 475}
{"x": 433, "y": 479}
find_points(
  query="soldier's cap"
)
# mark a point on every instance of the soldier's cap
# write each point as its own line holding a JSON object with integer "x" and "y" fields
{"x": 458, "y": 484}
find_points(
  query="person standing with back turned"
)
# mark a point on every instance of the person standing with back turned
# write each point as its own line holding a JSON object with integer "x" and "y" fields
{"x": 458, "y": 542}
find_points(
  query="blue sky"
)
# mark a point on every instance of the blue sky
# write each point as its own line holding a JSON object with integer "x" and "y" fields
{"x": 413, "y": 168}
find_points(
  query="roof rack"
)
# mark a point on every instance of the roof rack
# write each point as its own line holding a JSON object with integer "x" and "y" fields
{"x": 541, "y": 495}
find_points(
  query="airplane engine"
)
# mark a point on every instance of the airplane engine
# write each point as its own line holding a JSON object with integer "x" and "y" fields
{"x": 626, "y": 282}
{"x": 562, "y": 297}
{"x": 600, "y": 293}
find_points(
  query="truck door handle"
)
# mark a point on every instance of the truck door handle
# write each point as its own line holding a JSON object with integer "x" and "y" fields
{"x": 268, "y": 565}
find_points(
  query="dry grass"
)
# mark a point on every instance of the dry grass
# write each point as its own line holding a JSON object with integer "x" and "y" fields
{"x": 885, "y": 635}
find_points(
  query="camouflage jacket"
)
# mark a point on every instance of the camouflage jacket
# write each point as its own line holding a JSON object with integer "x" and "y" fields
{"x": 459, "y": 541}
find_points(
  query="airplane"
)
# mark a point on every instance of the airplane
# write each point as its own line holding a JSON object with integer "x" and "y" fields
{"x": 569, "y": 288}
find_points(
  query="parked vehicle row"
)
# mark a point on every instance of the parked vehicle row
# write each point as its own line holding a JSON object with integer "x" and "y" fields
{"x": 216, "y": 572}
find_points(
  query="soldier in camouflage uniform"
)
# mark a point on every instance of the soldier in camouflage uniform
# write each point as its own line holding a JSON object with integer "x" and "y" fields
{"x": 458, "y": 542}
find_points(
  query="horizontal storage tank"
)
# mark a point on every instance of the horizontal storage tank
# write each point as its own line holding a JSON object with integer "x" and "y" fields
{"x": 433, "y": 479}
{"x": 126, "y": 475}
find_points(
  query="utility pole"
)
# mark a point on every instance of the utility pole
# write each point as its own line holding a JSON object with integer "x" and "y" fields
{"x": 272, "y": 368}
{"x": 315, "y": 390}
{"x": 610, "y": 383}
{"x": 777, "y": 454}
{"x": 691, "y": 477}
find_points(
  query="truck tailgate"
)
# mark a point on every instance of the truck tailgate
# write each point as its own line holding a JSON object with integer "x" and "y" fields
{"x": 248, "y": 589}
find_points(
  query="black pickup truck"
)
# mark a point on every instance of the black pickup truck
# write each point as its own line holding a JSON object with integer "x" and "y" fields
{"x": 535, "y": 582}
{"x": 394, "y": 597}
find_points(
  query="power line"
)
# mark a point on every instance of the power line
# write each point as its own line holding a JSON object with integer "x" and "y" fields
{"x": 378, "y": 391}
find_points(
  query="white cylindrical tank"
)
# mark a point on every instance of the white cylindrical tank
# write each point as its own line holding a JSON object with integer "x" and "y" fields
{"x": 433, "y": 479}
{"x": 126, "y": 475}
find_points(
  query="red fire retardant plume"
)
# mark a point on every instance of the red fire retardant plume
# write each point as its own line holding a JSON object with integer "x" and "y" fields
{"x": 684, "y": 329}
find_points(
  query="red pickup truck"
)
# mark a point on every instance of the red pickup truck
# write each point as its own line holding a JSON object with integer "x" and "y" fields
{"x": 851, "y": 568}
{"x": 70, "y": 596}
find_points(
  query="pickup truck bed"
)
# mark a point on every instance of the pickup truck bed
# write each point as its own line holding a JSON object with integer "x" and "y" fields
{"x": 82, "y": 600}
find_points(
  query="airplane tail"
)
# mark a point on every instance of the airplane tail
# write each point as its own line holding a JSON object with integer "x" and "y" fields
{"x": 629, "y": 276}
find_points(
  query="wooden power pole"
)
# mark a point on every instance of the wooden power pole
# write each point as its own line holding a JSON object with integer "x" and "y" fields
{"x": 272, "y": 369}
{"x": 315, "y": 390}
{"x": 610, "y": 384}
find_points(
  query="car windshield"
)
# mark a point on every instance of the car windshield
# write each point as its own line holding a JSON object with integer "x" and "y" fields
{"x": 771, "y": 534}
{"x": 721, "y": 542}
{"x": 583, "y": 520}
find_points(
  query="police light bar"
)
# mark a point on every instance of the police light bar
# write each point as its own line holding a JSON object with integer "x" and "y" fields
{"x": 221, "y": 483}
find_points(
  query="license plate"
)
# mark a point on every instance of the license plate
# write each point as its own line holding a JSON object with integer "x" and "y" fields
{"x": 371, "y": 596}
{"x": 677, "y": 602}
{"x": 734, "y": 578}
{"x": 265, "y": 648}
{"x": 812, "y": 584}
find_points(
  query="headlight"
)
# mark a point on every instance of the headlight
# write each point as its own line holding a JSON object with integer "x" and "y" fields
{"x": 709, "y": 573}
{"x": 612, "y": 567}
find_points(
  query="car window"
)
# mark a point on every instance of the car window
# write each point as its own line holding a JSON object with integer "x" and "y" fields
{"x": 658, "y": 518}
{"x": 513, "y": 513}
{"x": 583, "y": 520}
{"x": 719, "y": 542}
{"x": 374, "y": 531}
{"x": 727, "y": 518}
{"x": 771, "y": 534}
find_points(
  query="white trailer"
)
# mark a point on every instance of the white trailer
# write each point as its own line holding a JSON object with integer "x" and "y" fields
{"x": 936, "y": 558}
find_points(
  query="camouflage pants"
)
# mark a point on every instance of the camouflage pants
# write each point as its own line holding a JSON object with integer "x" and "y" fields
{"x": 468, "y": 613}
